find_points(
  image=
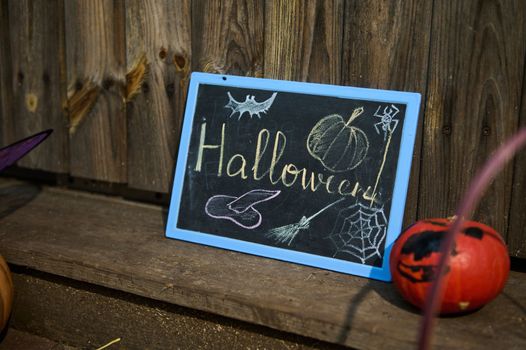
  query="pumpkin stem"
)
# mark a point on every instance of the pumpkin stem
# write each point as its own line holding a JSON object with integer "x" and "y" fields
{"x": 355, "y": 114}
{"x": 471, "y": 197}
{"x": 451, "y": 218}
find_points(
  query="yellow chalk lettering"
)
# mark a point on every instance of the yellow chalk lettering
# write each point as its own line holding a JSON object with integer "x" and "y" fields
{"x": 326, "y": 182}
{"x": 355, "y": 190}
{"x": 203, "y": 146}
{"x": 240, "y": 170}
{"x": 310, "y": 184}
{"x": 290, "y": 169}
{"x": 343, "y": 186}
{"x": 263, "y": 137}
{"x": 277, "y": 153}
{"x": 288, "y": 174}
{"x": 369, "y": 195}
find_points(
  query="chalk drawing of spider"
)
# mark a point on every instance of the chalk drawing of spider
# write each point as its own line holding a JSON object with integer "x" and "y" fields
{"x": 387, "y": 122}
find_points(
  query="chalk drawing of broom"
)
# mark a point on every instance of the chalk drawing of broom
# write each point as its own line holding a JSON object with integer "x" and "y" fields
{"x": 286, "y": 233}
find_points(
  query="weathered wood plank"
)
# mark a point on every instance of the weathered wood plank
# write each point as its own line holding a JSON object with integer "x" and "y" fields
{"x": 386, "y": 46}
{"x": 516, "y": 235}
{"x": 16, "y": 339}
{"x": 303, "y": 40}
{"x": 96, "y": 60}
{"x": 227, "y": 37}
{"x": 89, "y": 316}
{"x": 5, "y": 72}
{"x": 158, "y": 65}
{"x": 37, "y": 81}
{"x": 121, "y": 245}
{"x": 475, "y": 79}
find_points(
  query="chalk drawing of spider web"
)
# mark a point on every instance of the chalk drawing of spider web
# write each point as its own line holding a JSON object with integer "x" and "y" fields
{"x": 360, "y": 231}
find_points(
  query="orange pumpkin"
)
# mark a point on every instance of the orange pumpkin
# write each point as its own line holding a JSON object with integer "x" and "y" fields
{"x": 6, "y": 293}
{"x": 477, "y": 272}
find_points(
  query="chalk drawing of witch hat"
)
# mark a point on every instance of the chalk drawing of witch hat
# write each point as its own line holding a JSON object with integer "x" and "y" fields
{"x": 240, "y": 210}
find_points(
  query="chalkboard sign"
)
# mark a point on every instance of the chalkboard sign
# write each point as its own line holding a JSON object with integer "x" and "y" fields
{"x": 308, "y": 173}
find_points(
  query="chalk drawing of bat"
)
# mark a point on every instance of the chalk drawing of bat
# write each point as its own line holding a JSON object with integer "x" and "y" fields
{"x": 250, "y": 105}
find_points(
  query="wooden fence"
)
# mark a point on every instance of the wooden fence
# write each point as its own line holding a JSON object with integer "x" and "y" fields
{"x": 110, "y": 77}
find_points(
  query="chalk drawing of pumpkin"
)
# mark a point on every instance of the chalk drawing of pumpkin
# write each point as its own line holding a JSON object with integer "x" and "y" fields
{"x": 337, "y": 144}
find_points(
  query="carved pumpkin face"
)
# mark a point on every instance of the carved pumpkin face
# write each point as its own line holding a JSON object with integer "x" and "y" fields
{"x": 6, "y": 293}
{"x": 337, "y": 144}
{"x": 478, "y": 267}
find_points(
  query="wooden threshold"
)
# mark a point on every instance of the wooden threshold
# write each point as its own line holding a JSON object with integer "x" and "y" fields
{"x": 121, "y": 245}
{"x": 15, "y": 339}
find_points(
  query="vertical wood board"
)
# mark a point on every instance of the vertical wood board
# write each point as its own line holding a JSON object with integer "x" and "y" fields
{"x": 516, "y": 234}
{"x": 386, "y": 46}
{"x": 303, "y": 40}
{"x": 227, "y": 37}
{"x": 477, "y": 56}
{"x": 95, "y": 43}
{"x": 5, "y": 72}
{"x": 37, "y": 63}
{"x": 158, "y": 56}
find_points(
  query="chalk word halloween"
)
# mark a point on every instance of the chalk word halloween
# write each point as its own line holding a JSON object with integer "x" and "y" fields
{"x": 277, "y": 171}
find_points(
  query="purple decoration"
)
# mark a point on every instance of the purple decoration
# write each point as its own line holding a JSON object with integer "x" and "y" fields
{"x": 10, "y": 154}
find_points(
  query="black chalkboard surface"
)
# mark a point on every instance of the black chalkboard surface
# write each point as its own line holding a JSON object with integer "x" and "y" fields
{"x": 309, "y": 173}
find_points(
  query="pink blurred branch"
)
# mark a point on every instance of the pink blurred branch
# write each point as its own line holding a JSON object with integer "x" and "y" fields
{"x": 472, "y": 196}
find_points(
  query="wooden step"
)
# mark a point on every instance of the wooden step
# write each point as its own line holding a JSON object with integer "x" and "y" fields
{"x": 121, "y": 245}
{"x": 19, "y": 340}
{"x": 87, "y": 316}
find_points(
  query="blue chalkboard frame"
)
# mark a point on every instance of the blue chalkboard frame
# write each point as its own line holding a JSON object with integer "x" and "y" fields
{"x": 412, "y": 101}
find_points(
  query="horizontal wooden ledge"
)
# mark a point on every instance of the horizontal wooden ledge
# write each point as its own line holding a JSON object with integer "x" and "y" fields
{"x": 120, "y": 244}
